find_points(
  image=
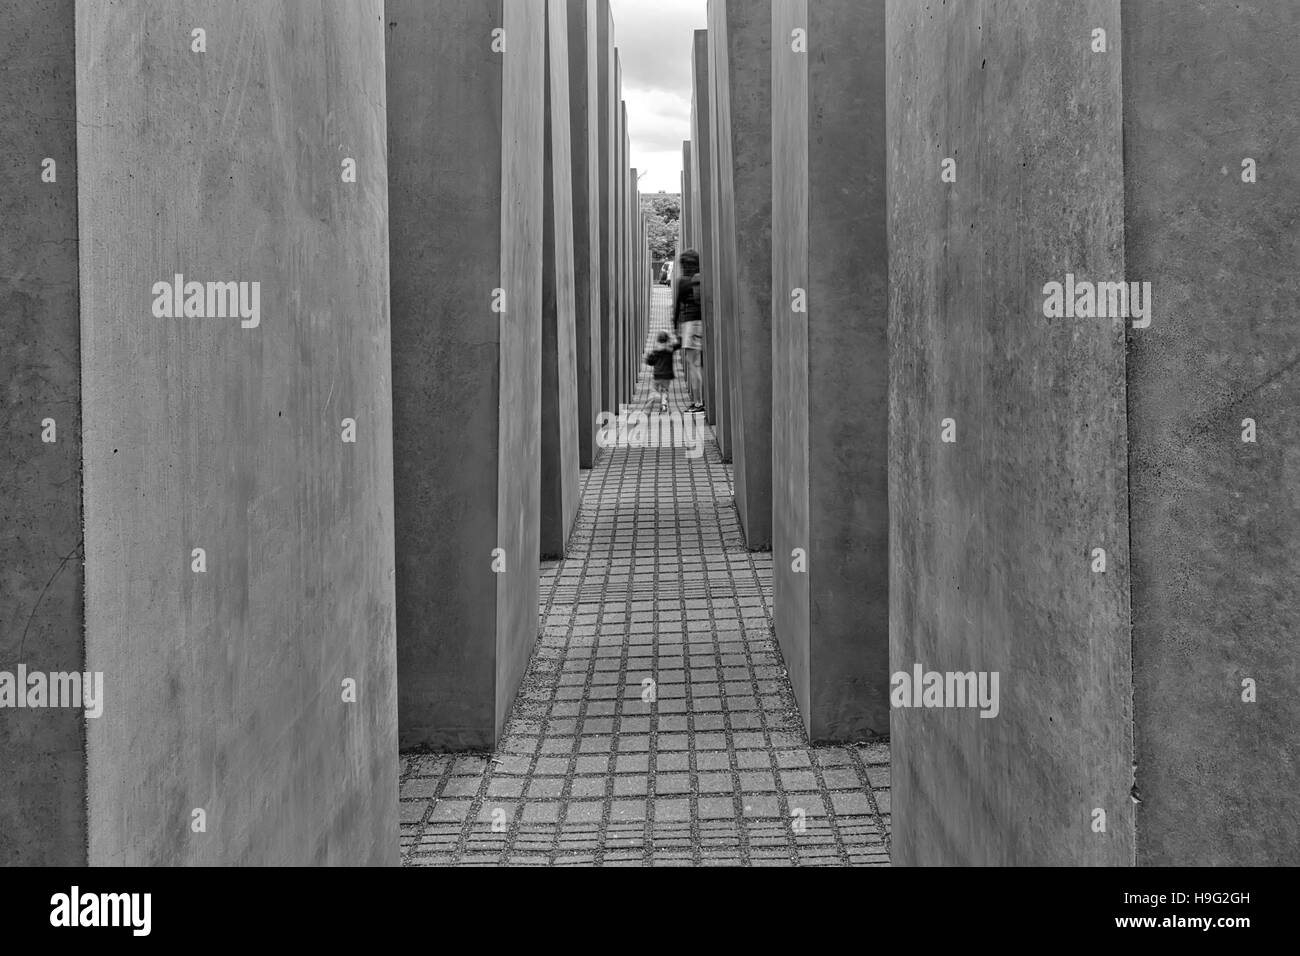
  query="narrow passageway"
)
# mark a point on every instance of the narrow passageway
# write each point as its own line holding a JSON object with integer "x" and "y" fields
{"x": 658, "y": 586}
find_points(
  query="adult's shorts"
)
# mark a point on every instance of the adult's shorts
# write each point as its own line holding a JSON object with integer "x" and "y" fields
{"x": 693, "y": 335}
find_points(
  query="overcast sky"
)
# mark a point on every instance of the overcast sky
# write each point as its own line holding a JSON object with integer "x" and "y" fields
{"x": 654, "y": 39}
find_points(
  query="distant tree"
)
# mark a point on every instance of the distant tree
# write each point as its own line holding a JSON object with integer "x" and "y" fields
{"x": 663, "y": 213}
{"x": 667, "y": 207}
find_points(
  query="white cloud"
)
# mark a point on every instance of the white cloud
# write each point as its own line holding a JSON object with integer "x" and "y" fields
{"x": 655, "y": 40}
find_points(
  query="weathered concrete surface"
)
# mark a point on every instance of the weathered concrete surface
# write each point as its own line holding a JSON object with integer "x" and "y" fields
{"x": 624, "y": 252}
{"x": 522, "y": 111}
{"x": 704, "y": 175}
{"x": 619, "y": 344}
{"x": 685, "y": 235}
{"x": 584, "y": 123}
{"x": 741, "y": 37}
{"x": 559, "y": 421}
{"x": 632, "y": 269}
{"x": 830, "y": 454}
{"x": 607, "y": 69}
{"x": 740, "y": 62}
{"x": 683, "y": 230}
{"x": 224, "y": 690}
{"x": 1215, "y": 521}
{"x": 690, "y": 239}
{"x": 642, "y": 271}
{"x": 42, "y": 752}
{"x": 643, "y": 289}
{"x": 629, "y": 255}
{"x": 684, "y": 190}
{"x": 991, "y": 537}
{"x": 721, "y": 308}
{"x": 467, "y": 216}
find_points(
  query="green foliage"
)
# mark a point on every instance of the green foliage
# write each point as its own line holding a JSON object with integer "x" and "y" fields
{"x": 663, "y": 215}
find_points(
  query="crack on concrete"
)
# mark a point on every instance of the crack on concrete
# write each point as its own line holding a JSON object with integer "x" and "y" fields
{"x": 22, "y": 642}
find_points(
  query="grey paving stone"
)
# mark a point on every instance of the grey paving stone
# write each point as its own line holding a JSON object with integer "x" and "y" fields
{"x": 658, "y": 584}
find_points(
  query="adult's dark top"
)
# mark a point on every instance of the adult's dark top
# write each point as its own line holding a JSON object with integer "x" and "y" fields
{"x": 686, "y": 301}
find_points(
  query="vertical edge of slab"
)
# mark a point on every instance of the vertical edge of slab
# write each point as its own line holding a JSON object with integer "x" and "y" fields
{"x": 791, "y": 544}
{"x": 560, "y": 455}
{"x": 848, "y": 371}
{"x": 445, "y": 241}
{"x": 584, "y": 98}
{"x": 42, "y": 610}
{"x": 519, "y": 483}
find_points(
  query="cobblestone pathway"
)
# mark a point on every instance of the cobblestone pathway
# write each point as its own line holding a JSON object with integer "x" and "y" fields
{"x": 716, "y": 769}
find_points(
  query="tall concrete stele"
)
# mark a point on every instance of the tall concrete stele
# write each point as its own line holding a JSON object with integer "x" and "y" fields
{"x": 607, "y": 82}
{"x": 703, "y": 216}
{"x": 232, "y": 469}
{"x": 585, "y": 151}
{"x": 1050, "y": 466}
{"x": 467, "y": 247}
{"x": 830, "y": 367}
{"x": 740, "y": 72}
{"x": 561, "y": 368}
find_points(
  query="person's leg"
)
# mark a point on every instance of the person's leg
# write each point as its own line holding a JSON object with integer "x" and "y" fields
{"x": 695, "y": 376}
{"x": 693, "y": 335}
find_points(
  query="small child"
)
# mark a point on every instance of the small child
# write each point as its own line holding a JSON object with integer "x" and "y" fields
{"x": 661, "y": 357}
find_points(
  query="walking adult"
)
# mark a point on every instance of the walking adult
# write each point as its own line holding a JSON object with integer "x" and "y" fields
{"x": 688, "y": 324}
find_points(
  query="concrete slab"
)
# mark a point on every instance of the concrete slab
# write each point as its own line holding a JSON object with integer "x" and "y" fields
{"x": 42, "y": 751}
{"x": 608, "y": 92}
{"x": 624, "y": 250}
{"x": 720, "y": 318}
{"x": 1215, "y": 520}
{"x": 691, "y": 239}
{"x": 717, "y": 399}
{"x": 467, "y": 222}
{"x": 992, "y": 534}
{"x": 238, "y": 466}
{"x": 559, "y": 413}
{"x": 584, "y": 123}
{"x": 830, "y": 380}
{"x": 635, "y": 344}
{"x": 685, "y": 233}
{"x": 740, "y": 38}
{"x": 618, "y": 345}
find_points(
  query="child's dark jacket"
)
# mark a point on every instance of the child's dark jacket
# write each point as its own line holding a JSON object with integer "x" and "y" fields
{"x": 662, "y": 360}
